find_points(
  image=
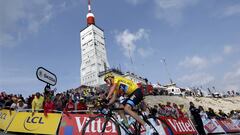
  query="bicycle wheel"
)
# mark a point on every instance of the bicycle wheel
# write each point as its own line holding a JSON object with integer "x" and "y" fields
{"x": 100, "y": 125}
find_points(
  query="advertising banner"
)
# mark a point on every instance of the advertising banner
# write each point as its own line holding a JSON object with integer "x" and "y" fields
{"x": 74, "y": 123}
{"x": 37, "y": 124}
{"x": 211, "y": 125}
{"x": 5, "y": 118}
{"x": 180, "y": 126}
{"x": 236, "y": 122}
{"x": 229, "y": 126}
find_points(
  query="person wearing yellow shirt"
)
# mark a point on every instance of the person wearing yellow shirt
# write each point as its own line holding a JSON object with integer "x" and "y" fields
{"x": 119, "y": 86}
{"x": 37, "y": 103}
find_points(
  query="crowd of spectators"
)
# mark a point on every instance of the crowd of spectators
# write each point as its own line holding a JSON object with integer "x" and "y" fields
{"x": 47, "y": 101}
{"x": 84, "y": 99}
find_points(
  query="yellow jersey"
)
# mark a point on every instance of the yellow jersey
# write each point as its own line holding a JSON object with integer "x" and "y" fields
{"x": 124, "y": 85}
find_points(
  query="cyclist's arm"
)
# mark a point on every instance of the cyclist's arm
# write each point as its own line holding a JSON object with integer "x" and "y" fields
{"x": 112, "y": 100}
{"x": 112, "y": 88}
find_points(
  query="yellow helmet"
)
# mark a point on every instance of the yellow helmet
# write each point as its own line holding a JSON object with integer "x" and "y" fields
{"x": 108, "y": 75}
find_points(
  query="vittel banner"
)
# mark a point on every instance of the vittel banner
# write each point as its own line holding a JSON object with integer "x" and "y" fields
{"x": 180, "y": 126}
{"x": 74, "y": 123}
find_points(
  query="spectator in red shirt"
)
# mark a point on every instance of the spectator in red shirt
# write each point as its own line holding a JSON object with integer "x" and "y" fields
{"x": 81, "y": 105}
{"x": 70, "y": 105}
{"x": 48, "y": 106}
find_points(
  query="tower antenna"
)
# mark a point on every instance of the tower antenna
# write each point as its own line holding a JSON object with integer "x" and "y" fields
{"x": 89, "y": 6}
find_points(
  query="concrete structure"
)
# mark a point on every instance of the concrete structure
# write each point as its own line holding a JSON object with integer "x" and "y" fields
{"x": 135, "y": 78}
{"x": 93, "y": 52}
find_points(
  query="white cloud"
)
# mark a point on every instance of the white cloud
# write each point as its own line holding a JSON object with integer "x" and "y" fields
{"x": 172, "y": 10}
{"x": 145, "y": 52}
{"x": 232, "y": 10}
{"x": 232, "y": 79}
{"x": 20, "y": 18}
{"x": 127, "y": 40}
{"x": 194, "y": 62}
{"x": 197, "y": 79}
{"x": 227, "y": 49}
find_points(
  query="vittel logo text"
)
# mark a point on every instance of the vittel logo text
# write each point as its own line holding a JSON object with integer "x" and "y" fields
{"x": 94, "y": 126}
{"x": 181, "y": 126}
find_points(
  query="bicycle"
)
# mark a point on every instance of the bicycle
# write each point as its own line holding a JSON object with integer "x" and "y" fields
{"x": 113, "y": 125}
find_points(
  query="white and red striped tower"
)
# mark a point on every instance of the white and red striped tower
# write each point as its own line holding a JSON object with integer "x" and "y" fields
{"x": 93, "y": 52}
{"x": 90, "y": 15}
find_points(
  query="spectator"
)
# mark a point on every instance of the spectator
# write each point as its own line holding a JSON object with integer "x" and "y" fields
{"x": 182, "y": 110}
{"x": 176, "y": 111}
{"x": 14, "y": 104}
{"x": 211, "y": 114}
{"x": 153, "y": 111}
{"x": 58, "y": 102}
{"x": 161, "y": 109}
{"x": 82, "y": 104}
{"x": 202, "y": 113}
{"x": 37, "y": 103}
{"x": 70, "y": 105}
{"x": 170, "y": 111}
{"x": 197, "y": 118}
{"x": 48, "y": 105}
{"x": 21, "y": 105}
{"x": 222, "y": 114}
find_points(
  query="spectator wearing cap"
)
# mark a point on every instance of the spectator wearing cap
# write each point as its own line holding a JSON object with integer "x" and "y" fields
{"x": 37, "y": 103}
{"x": 21, "y": 105}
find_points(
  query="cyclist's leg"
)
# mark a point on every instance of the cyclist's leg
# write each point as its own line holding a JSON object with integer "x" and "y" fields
{"x": 132, "y": 101}
{"x": 122, "y": 115}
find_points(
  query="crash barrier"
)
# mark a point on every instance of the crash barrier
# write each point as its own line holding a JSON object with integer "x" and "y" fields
{"x": 220, "y": 125}
{"x": 71, "y": 123}
{"x": 25, "y": 122}
{"x": 180, "y": 126}
{"x": 6, "y": 117}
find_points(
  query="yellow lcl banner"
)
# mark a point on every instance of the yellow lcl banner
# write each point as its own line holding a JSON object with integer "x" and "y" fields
{"x": 38, "y": 123}
{"x": 5, "y": 118}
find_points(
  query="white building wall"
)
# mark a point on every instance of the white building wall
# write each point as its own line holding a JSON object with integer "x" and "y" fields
{"x": 93, "y": 53}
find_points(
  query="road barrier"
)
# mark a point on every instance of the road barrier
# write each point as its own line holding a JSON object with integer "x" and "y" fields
{"x": 72, "y": 123}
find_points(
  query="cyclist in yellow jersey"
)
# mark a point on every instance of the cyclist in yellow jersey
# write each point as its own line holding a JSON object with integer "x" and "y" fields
{"x": 122, "y": 86}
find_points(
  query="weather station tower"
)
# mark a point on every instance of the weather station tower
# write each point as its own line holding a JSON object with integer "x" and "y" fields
{"x": 93, "y": 51}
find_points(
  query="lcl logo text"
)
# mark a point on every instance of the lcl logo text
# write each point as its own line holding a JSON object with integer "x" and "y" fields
{"x": 3, "y": 115}
{"x": 35, "y": 120}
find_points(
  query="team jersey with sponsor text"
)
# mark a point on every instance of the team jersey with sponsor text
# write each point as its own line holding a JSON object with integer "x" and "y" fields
{"x": 124, "y": 85}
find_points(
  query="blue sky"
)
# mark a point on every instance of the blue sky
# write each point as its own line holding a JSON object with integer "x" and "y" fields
{"x": 199, "y": 39}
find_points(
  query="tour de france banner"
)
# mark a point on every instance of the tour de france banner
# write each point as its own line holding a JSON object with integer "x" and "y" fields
{"x": 229, "y": 126}
{"x": 37, "y": 124}
{"x": 5, "y": 118}
{"x": 180, "y": 126}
